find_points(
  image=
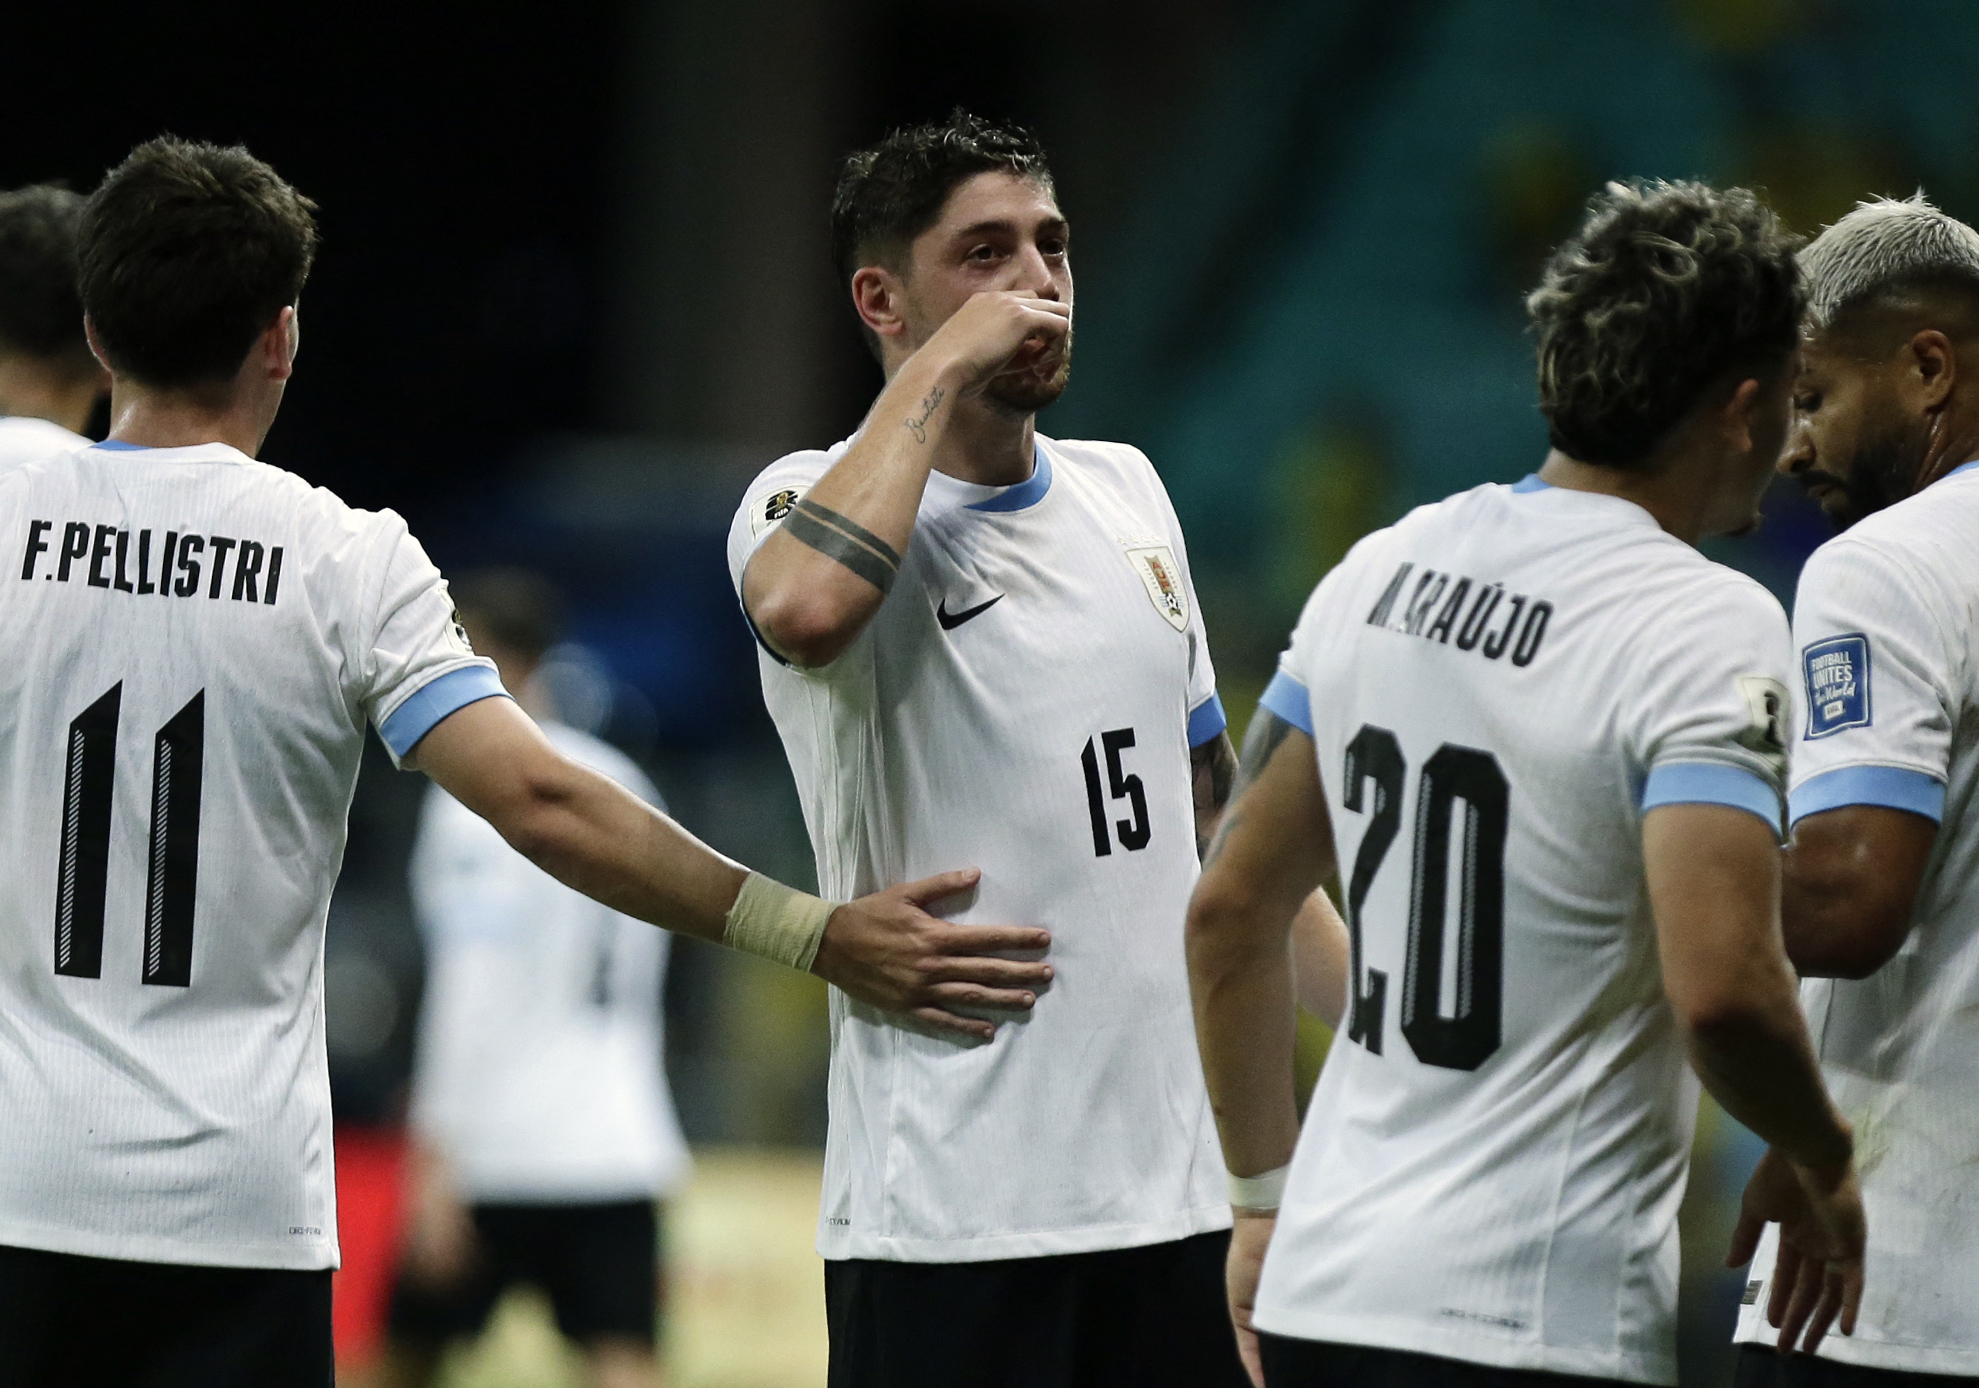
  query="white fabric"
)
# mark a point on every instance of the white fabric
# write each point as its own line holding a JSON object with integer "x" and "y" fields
{"x": 25, "y": 439}
{"x": 1900, "y": 1049}
{"x": 1086, "y": 1125}
{"x": 540, "y": 1072}
{"x": 189, "y": 1124}
{"x": 1520, "y": 1213}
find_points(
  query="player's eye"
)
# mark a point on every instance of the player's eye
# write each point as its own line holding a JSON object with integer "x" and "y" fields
{"x": 1807, "y": 403}
{"x": 1052, "y": 246}
{"x": 983, "y": 253}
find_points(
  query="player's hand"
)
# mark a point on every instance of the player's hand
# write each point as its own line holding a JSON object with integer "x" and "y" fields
{"x": 885, "y": 950}
{"x": 999, "y": 331}
{"x": 440, "y": 1241}
{"x": 1250, "y": 1235}
{"x": 1818, "y": 1276}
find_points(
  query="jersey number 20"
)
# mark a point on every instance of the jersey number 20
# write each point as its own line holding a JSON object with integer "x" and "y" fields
{"x": 1467, "y": 1038}
{"x": 83, "y": 871}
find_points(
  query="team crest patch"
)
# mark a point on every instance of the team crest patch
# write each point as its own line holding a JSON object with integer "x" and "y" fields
{"x": 1837, "y": 684}
{"x": 1162, "y": 577}
{"x": 774, "y": 508}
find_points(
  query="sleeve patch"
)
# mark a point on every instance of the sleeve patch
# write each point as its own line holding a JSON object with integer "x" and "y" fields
{"x": 1837, "y": 684}
{"x": 770, "y": 510}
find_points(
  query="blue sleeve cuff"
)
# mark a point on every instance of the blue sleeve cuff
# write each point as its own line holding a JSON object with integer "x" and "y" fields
{"x": 434, "y": 700}
{"x": 1711, "y": 783}
{"x": 1206, "y": 720}
{"x": 1894, "y": 787}
{"x": 1287, "y": 698}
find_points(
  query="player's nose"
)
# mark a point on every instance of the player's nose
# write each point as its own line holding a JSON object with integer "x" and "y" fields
{"x": 1797, "y": 454}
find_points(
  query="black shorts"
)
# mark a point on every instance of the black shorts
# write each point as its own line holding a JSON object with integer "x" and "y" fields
{"x": 1762, "y": 1366}
{"x": 1151, "y": 1317}
{"x": 1290, "y": 1363}
{"x": 73, "y": 1322}
{"x": 596, "y": 1263}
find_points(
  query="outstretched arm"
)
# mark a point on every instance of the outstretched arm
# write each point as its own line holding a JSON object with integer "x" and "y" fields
{"x": 1714, "y": 886}
{"x": 593, "y": 835}
{"x": 1272, "y": 849}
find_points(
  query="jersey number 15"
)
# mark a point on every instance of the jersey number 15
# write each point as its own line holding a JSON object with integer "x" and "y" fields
{"x": 83, "y": 870}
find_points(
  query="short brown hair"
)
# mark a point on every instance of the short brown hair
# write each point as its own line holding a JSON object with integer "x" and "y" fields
{"x": 187, "y": 253}
{"x": 1664, "y": 289}
{"x": 40, "y": 312}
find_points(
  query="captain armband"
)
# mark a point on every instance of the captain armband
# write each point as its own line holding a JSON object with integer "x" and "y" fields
{"x": 1265, "y": 1191}
{"x": 777, "y": 922}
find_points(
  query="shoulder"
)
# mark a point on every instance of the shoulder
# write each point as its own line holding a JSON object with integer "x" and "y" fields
{"x": 1120, "y": 463}
{"x": 768, "y": 498}
{"x": 24, "y": 439}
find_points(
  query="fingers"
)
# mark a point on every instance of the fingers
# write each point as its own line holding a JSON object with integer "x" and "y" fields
{"x": 975, "y": 1028}
{"x": 1800, "y": 1307}
{"x": 1745, "y": 1240}
{"x": 1786, "y": 1272}
{"x": 975, "y": 995}
{"x": 1851, "y": 1295}
{"x": 1247, "y": 1351}
{"x": 991, "y": 970}
{"x": 984, "y": 939}
{"x": 940, "y": 885}
{"x": 1825, "y": 1309}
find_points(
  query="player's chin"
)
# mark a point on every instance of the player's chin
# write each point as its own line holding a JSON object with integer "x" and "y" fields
{"x": 1027, "y": 392}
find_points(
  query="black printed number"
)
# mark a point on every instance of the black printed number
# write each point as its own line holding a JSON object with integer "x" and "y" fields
{"x": 1119, "y": 785}
{"x": 1468, "y": 1036}
{"x": 83, "y": 866}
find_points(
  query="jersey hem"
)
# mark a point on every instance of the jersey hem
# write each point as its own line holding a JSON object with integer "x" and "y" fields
{"x": 1873, "y": 1354}
{"x": 1032, "y": 1243}
{"x": 1414, "y": 1337}
{"x": 448, "y": 692}
{"x": 139, "y": 1248}
{"x": 1891, "y": 787}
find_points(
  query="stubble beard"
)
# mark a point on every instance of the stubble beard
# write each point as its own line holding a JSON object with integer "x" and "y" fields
{"x": 1027, "y": 392}
{"x": 1882, "y": 472}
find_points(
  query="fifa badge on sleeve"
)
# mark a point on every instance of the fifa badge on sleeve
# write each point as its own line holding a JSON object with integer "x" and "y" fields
{"x": 1162, "y": 577}
{"x": 1837, "y": 684}
{"x": 770, "y": 510}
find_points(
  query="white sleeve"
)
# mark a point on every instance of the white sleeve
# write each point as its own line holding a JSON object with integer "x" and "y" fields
{"x": 414, "y": 666}
{"x": 1878, "y": 668}
{"x": 767, "y": 502}
{"x": 1289, "y": 693}
{"x": 1207, "y": 719}
{"x": 1707, "y": 706}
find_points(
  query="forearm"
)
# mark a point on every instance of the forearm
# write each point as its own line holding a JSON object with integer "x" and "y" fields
{"x": 1761, "y": 1069}
{"x": 1241, "y": 983}
{"x": 1319, "y": 958}
{"x": 599, "y": 839}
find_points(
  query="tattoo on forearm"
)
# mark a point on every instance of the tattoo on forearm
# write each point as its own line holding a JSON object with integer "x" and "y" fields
{"x": 919, "y": 427}
{"x": 845, "y": 540}
{"x": 1215, "y": 766}
{"x": 1261, "y": 743}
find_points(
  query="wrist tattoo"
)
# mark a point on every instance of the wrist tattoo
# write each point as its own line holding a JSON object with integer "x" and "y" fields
{"x": 919, "y": 427}
{"x": 840, "y": 538}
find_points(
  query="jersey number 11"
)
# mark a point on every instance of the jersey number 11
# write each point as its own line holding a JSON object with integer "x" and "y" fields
{"x": 83, "y": 871}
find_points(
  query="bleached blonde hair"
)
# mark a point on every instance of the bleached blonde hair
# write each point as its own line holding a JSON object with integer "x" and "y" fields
{"x": 1885, "y": 244}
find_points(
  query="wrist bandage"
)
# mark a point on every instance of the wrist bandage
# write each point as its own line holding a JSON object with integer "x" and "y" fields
{"x": 1265, "y": 1191}
{"x": 777, "y": 922}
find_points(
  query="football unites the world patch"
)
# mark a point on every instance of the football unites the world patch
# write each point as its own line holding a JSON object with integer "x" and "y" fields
{"x": 1162, "y": 577}
{"x": 1837, "y": 684}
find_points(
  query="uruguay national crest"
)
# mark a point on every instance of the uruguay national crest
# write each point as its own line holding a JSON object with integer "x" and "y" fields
{"x": 1162, "y": 577}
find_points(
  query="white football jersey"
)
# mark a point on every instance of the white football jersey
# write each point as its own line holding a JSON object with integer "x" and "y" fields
{"x": 1024, "y": 702}
{"x": 540, "y": 1071}
{"x": 25, "y": 439}
{"x": 1498, "y": 687}
{"x": 1886, "y": 620}
{"x": 194, "y": 643}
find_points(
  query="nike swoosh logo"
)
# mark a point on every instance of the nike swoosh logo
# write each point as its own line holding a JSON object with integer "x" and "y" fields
{"x": 951, "y": 620}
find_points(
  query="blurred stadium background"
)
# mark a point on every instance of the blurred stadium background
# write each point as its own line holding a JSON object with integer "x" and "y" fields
{"x": 574, "y": 293}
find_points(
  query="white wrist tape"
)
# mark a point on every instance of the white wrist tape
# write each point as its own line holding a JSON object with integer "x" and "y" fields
{"x": 777, "y": 922}
{"x": 1265, "y": 1191}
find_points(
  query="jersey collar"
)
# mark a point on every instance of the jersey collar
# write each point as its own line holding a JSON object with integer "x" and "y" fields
{"x": 1532, "y": 482}
{"x": 1022, "y": 495}
{"x": 1962, "y": 467}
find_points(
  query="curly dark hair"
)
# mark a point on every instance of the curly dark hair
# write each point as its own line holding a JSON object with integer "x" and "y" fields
{"x": 1664, "y": 289}
{"x": 40, "y": 311}
{"x": 187, "y": 253}
{"x": 895, "y": 190}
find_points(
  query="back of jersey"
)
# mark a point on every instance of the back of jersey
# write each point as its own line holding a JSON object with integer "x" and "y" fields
{"x": 194, "y": 642}
{"x": 1497, "y": 689}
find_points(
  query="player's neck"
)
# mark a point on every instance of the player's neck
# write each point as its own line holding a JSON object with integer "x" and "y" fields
{"x": 153, "y": 418}
{"x": 1954, "y": 443}
{"x": 31, "y": 390}
{"x": 1671, "y": 497}
{"x": 988, "y": 446}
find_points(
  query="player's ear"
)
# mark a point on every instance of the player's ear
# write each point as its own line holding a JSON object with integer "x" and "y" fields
{"x": 1735, "y": 419}
{"x": 279, "y": 344}
{"x": 880, "y": 299}
{"x": 95, "y": 347}
{"x": 1931, "y": 369}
